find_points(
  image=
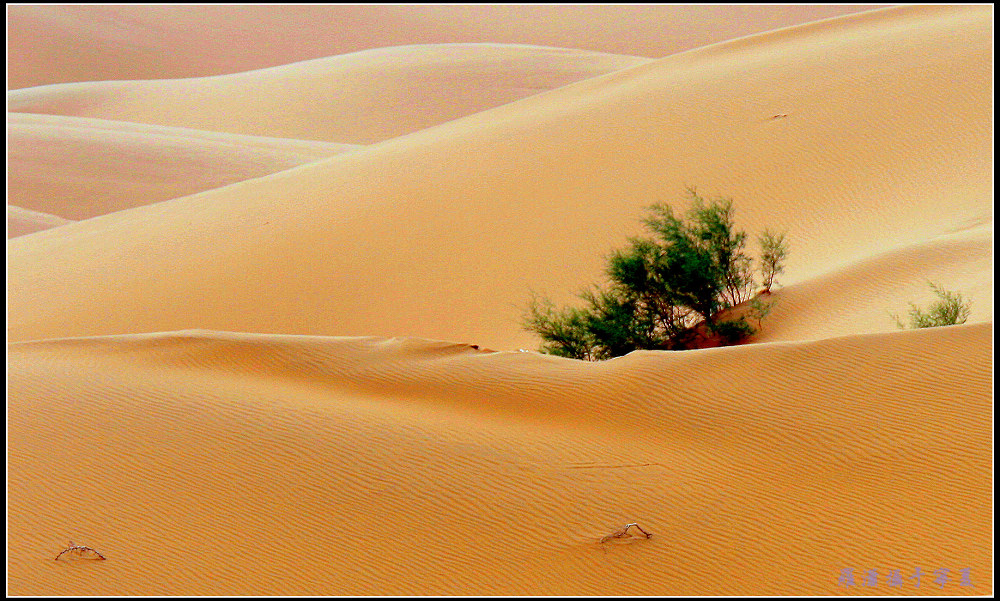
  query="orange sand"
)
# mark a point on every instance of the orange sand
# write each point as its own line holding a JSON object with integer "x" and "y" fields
{"x": 251, "y": 356}
{"x": 207, "y": 462}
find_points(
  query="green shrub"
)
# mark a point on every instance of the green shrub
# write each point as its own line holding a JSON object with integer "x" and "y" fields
{"x": 949, "y": 309}
{"x": 773, "y": 252}
{"x": 665, "y": 292}
{"x": 759, "y": 309}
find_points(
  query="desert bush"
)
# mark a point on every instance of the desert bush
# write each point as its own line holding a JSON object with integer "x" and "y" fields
{"x": 667, "y": 292}
{"x": 731, "y": 332}
{"x": 563, "y": 333}
{"x": 949, "y": 309}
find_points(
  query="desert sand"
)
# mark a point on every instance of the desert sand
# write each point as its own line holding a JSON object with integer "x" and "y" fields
{"x": 264, "y": 319}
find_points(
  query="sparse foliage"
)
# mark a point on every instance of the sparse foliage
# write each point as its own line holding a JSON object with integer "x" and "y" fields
{"x": 759, "y": 309}
{"x": 666, "y": 292}
{"x": 731, "y": 332}
{"x": 949, "y": 309}
{"x": 773, "y": 252}
{"x": 564, "y": 333}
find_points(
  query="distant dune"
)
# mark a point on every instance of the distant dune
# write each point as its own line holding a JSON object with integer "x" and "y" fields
{"x": 356, "y": 98}
{"x": 21, "y": 221}
{"x": 267, "y": 267}
{"x": 80, "y": 168}
{"x": 60, "y": 43}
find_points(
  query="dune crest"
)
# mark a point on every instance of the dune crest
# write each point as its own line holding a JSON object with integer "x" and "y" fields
{"x": 850, "y": 300}
{"x": 357, "y": 98}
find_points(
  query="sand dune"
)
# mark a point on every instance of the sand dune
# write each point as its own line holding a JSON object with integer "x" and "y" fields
{"x": 58, "y": 44}
{"x": 356, "y": 98}
{"x": 21, "y": 221}
{"x": 283, "y": 366}
{"x": 80, "y": 168}
{"x": 325, "y": 466}
{"x": 443, "y": 233}
{"x": 864, "y": 296}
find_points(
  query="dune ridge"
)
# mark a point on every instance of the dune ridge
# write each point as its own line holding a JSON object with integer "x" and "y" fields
{"x": 357, "y": 98}
{"x": 419, "y": 459}
{"x": 851, "y": 299}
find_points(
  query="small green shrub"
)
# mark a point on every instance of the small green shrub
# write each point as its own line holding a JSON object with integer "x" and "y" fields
{"x": 950, "y": 309}
{"x": 759, "y": 309}
{"x": 773, "y": 252}
{"x": 668, "y": 292}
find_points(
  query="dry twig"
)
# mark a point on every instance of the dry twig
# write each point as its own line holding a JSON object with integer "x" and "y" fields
{"x": 80, "y": 552}
{"x": 623, "y": 532}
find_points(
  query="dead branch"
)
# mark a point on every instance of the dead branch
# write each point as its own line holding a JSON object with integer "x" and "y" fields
{"x": 79, "y": 550}
{"x": 623, "y": 532}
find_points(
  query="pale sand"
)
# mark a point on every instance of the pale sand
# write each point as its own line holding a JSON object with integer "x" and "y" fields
{"x": 356, "y": 98}
{"x": 311, "y": 437}
{"x": 80, "y": 168}
{"x": 58, "y": 44}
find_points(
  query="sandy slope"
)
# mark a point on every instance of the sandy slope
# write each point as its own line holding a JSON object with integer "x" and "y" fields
{"x": 214, "y": 463}
{"x": 79, "y": 168}
{"x": 443, "y": 233}
{"x": 21, "y": 221}
{"x": 864, "y": 296}
{"x": 355, "y": 98}
{"x": 56, "y": 44}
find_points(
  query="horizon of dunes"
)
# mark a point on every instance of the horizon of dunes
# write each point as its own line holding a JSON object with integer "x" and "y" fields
{"x": 77, "y": 168}
{"x": 59, "y": 43}
{"x": 21, "y": 221}
{"x": 358, "y": 98}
